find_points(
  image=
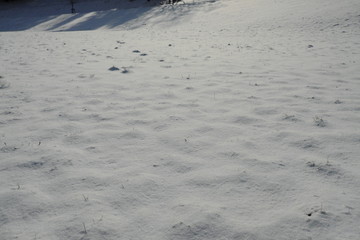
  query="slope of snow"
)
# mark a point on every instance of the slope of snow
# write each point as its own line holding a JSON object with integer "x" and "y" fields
{"x": 206, "y": 120}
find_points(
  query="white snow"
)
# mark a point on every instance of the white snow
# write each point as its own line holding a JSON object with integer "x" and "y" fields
{"x": 228, "y": 119}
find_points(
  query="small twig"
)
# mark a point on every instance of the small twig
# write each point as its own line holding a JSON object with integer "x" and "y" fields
{"x": 322, "y": 211}
{"x": 85, "y": 198}
{"x": 85, "y": 232}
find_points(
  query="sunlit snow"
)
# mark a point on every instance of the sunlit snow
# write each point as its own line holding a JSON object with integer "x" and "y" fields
{"x": 227, "y": 119}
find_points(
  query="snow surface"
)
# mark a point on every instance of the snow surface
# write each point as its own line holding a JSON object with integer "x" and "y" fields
{"x": 228, "y": 119}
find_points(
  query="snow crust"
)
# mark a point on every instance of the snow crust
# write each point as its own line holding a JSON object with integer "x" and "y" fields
{"x": 206, "y": 120}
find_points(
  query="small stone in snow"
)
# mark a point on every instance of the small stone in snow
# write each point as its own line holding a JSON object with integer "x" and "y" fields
{"x": 113, "y": 68}
{"x": 338, "y": 102}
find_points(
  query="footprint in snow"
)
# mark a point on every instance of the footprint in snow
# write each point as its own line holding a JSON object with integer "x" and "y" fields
{"x": 125, "y": 70}
{"x": 3, "y": 84}
{"x": 8, "y": 149}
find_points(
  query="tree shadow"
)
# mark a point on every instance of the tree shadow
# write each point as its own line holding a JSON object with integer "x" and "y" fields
{"x": 104, "y": 19}
{"x": 109, "y": 14}
{"x": 58, "y": 17}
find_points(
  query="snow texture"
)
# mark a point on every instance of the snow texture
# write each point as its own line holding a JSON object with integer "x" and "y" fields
{"x": 226, "y": 120}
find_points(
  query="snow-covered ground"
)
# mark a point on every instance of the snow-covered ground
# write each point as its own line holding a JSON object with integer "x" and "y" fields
{"x": 228, "y": 119}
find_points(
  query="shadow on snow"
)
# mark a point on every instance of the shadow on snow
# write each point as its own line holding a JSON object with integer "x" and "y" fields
{"x": 58, "y": 17}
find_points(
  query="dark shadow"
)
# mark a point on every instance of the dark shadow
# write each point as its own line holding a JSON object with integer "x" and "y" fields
{"x": 92, "y": 14}
{"x": 67, "y": 20}
{"x": 57, "y": 16}
{"x": 108, "y": 19}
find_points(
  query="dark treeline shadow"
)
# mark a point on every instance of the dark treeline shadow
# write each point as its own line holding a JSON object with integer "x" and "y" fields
{"x": 19, "y": 15}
